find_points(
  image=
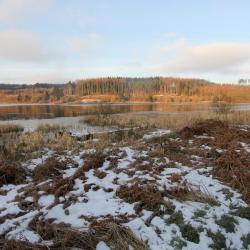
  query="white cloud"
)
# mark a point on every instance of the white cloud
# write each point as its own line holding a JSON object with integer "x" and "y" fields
{"x": 13, "y": 10}
{"x": 205, "y": 58}
{"x": 24, "y": 46}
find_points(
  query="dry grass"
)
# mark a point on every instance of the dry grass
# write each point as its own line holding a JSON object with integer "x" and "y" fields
{"x": 63, "y": 236}
{"x": 20, "y": 245}
{"x": 60, "y": 186}
{"x": 116, "y": 236}
{"x": 232, "y": 165}
{"x": 12, "y": 174}
{"x": 146, "y": 196}
{"x": 174, "y": 121}
{"x": 46, "y": 128}
{"x": 187, "y": 192}
{"x": 63, "y": 142}
{"x": 10, "y": 128}
{"x": 31, "y": 142}
{"x": 51, "y": 168}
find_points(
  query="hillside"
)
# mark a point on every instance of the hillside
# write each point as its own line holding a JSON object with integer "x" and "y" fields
{"x": 120, "y": 89}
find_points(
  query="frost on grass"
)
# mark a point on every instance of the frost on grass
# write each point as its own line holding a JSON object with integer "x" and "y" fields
{"x": 161, "y": 193}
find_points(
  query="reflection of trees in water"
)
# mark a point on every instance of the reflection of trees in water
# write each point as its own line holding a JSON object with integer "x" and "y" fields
{"x": 52, "y": 111}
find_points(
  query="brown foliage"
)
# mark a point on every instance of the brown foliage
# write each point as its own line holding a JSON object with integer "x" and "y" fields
{"x": 49, "y": 169}
{"x": 10, "y": 128}
{"x": 209, "y": 127}
{"x": 233, "y": 168}
{"x": 12, "y": 174}
{"x": 61, "y": 186}
{"x": 62, "y": 235}
{"x": 115, "y": 235}
{"x": 20, "y": 245}
{"x": 148, "y": 196}
{"x": 94, "y": 161}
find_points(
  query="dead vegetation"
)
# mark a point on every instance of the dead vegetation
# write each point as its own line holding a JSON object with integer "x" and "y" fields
{"x": 233, "y": 168}
{"x": 187, "y": 192}
{"x": 232, "y": 165}
{"x": 147, "y": 197}
{"x": 12, "y": 174}
{"x": 47, "y": 128}
{"x": 51, "y": 168}
{"x": 10, "y": 128}
{"x": 62, "y": 236}
{"x": 63, "y": 141}
{"x": 20, "y": 245}
{"x": 116, "y": 236}
{"x": 174, "y": 121}
{"x": 61, "y": 186}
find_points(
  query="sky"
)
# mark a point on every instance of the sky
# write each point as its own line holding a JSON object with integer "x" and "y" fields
{"x": 60, "y": 40}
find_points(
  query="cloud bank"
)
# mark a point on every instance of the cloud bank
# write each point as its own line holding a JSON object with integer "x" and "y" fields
{"x": 205, "y": 58}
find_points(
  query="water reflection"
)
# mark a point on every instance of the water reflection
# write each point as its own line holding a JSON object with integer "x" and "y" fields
{"x": 14, "y": 112}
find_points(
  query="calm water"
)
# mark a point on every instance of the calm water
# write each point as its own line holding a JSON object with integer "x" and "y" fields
{"x": 29, "y": 116}
{"x": 17, "y": 112}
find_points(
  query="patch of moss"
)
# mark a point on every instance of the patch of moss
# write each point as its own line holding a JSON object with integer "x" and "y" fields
{"x": 190, "y": 233}
{"x": 246, "y": 241}
{"x": 228, "y": 223}
{"x": 178, "y": 243}
{"x": 176, "y": 218}
{"x": 199, "y": 213}
{"x": 243, "y": 212}
{"x": 219, "y": 240}
{"x": 228, "y": 194}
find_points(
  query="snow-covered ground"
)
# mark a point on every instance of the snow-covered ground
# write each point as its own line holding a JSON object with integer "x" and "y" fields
{"x": 95, "y": 197}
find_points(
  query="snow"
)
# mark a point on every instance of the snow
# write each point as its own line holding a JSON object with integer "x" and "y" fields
{"x": 102, "y": 246}
{"x": 156, "y": 134}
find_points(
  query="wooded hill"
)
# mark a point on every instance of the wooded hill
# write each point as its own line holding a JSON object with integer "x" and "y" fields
{"x": 120, "y": 89}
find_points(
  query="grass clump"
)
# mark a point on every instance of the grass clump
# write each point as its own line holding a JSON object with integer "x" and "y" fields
{"x": 62, "y": 235}
{"x": 243, "y": 212}
{"x": 188, "y": 231}
{"x": 246, "y": 241}
{"x": 115, "y": 235}
{"x": 219, "y": 240}
{"x": 199, "y": 214}
{"x": 12, "y": 174}
{"x": 147, "y": 196}
{"x": 228, "y": 223}
{"x": 46, "y": 128}
{"x": 31, "y": 142}
{"x": 10, "y": 128}
{"x": 176, "y": 218}
{"x": 187, "y": 192}
{"x": 49, "y": 169}
{"x": 63, "y": 142}
{"x": 178, "y": 243}
{"x": 20, "y": 245}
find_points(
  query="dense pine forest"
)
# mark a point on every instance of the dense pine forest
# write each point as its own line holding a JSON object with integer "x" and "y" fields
{"x": 120, "y": 89}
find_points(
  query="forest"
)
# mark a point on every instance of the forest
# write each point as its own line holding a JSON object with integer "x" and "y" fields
{"x": 124, "y": 89}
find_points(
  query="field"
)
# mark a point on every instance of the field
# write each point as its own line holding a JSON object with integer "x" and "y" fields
{"x": 152, "y": 182}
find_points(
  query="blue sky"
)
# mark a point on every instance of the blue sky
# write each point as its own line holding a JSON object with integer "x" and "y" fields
{"x": 62, "y": 40}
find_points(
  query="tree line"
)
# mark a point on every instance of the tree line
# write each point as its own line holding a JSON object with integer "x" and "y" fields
{"x": 165, "y": 89}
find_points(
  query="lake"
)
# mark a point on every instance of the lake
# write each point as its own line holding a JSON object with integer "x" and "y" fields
{"x": 32, "y": 114}
{"x": 36, "y": 111}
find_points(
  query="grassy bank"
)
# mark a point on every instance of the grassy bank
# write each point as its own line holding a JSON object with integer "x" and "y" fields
{"x": 173, "y": 121}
